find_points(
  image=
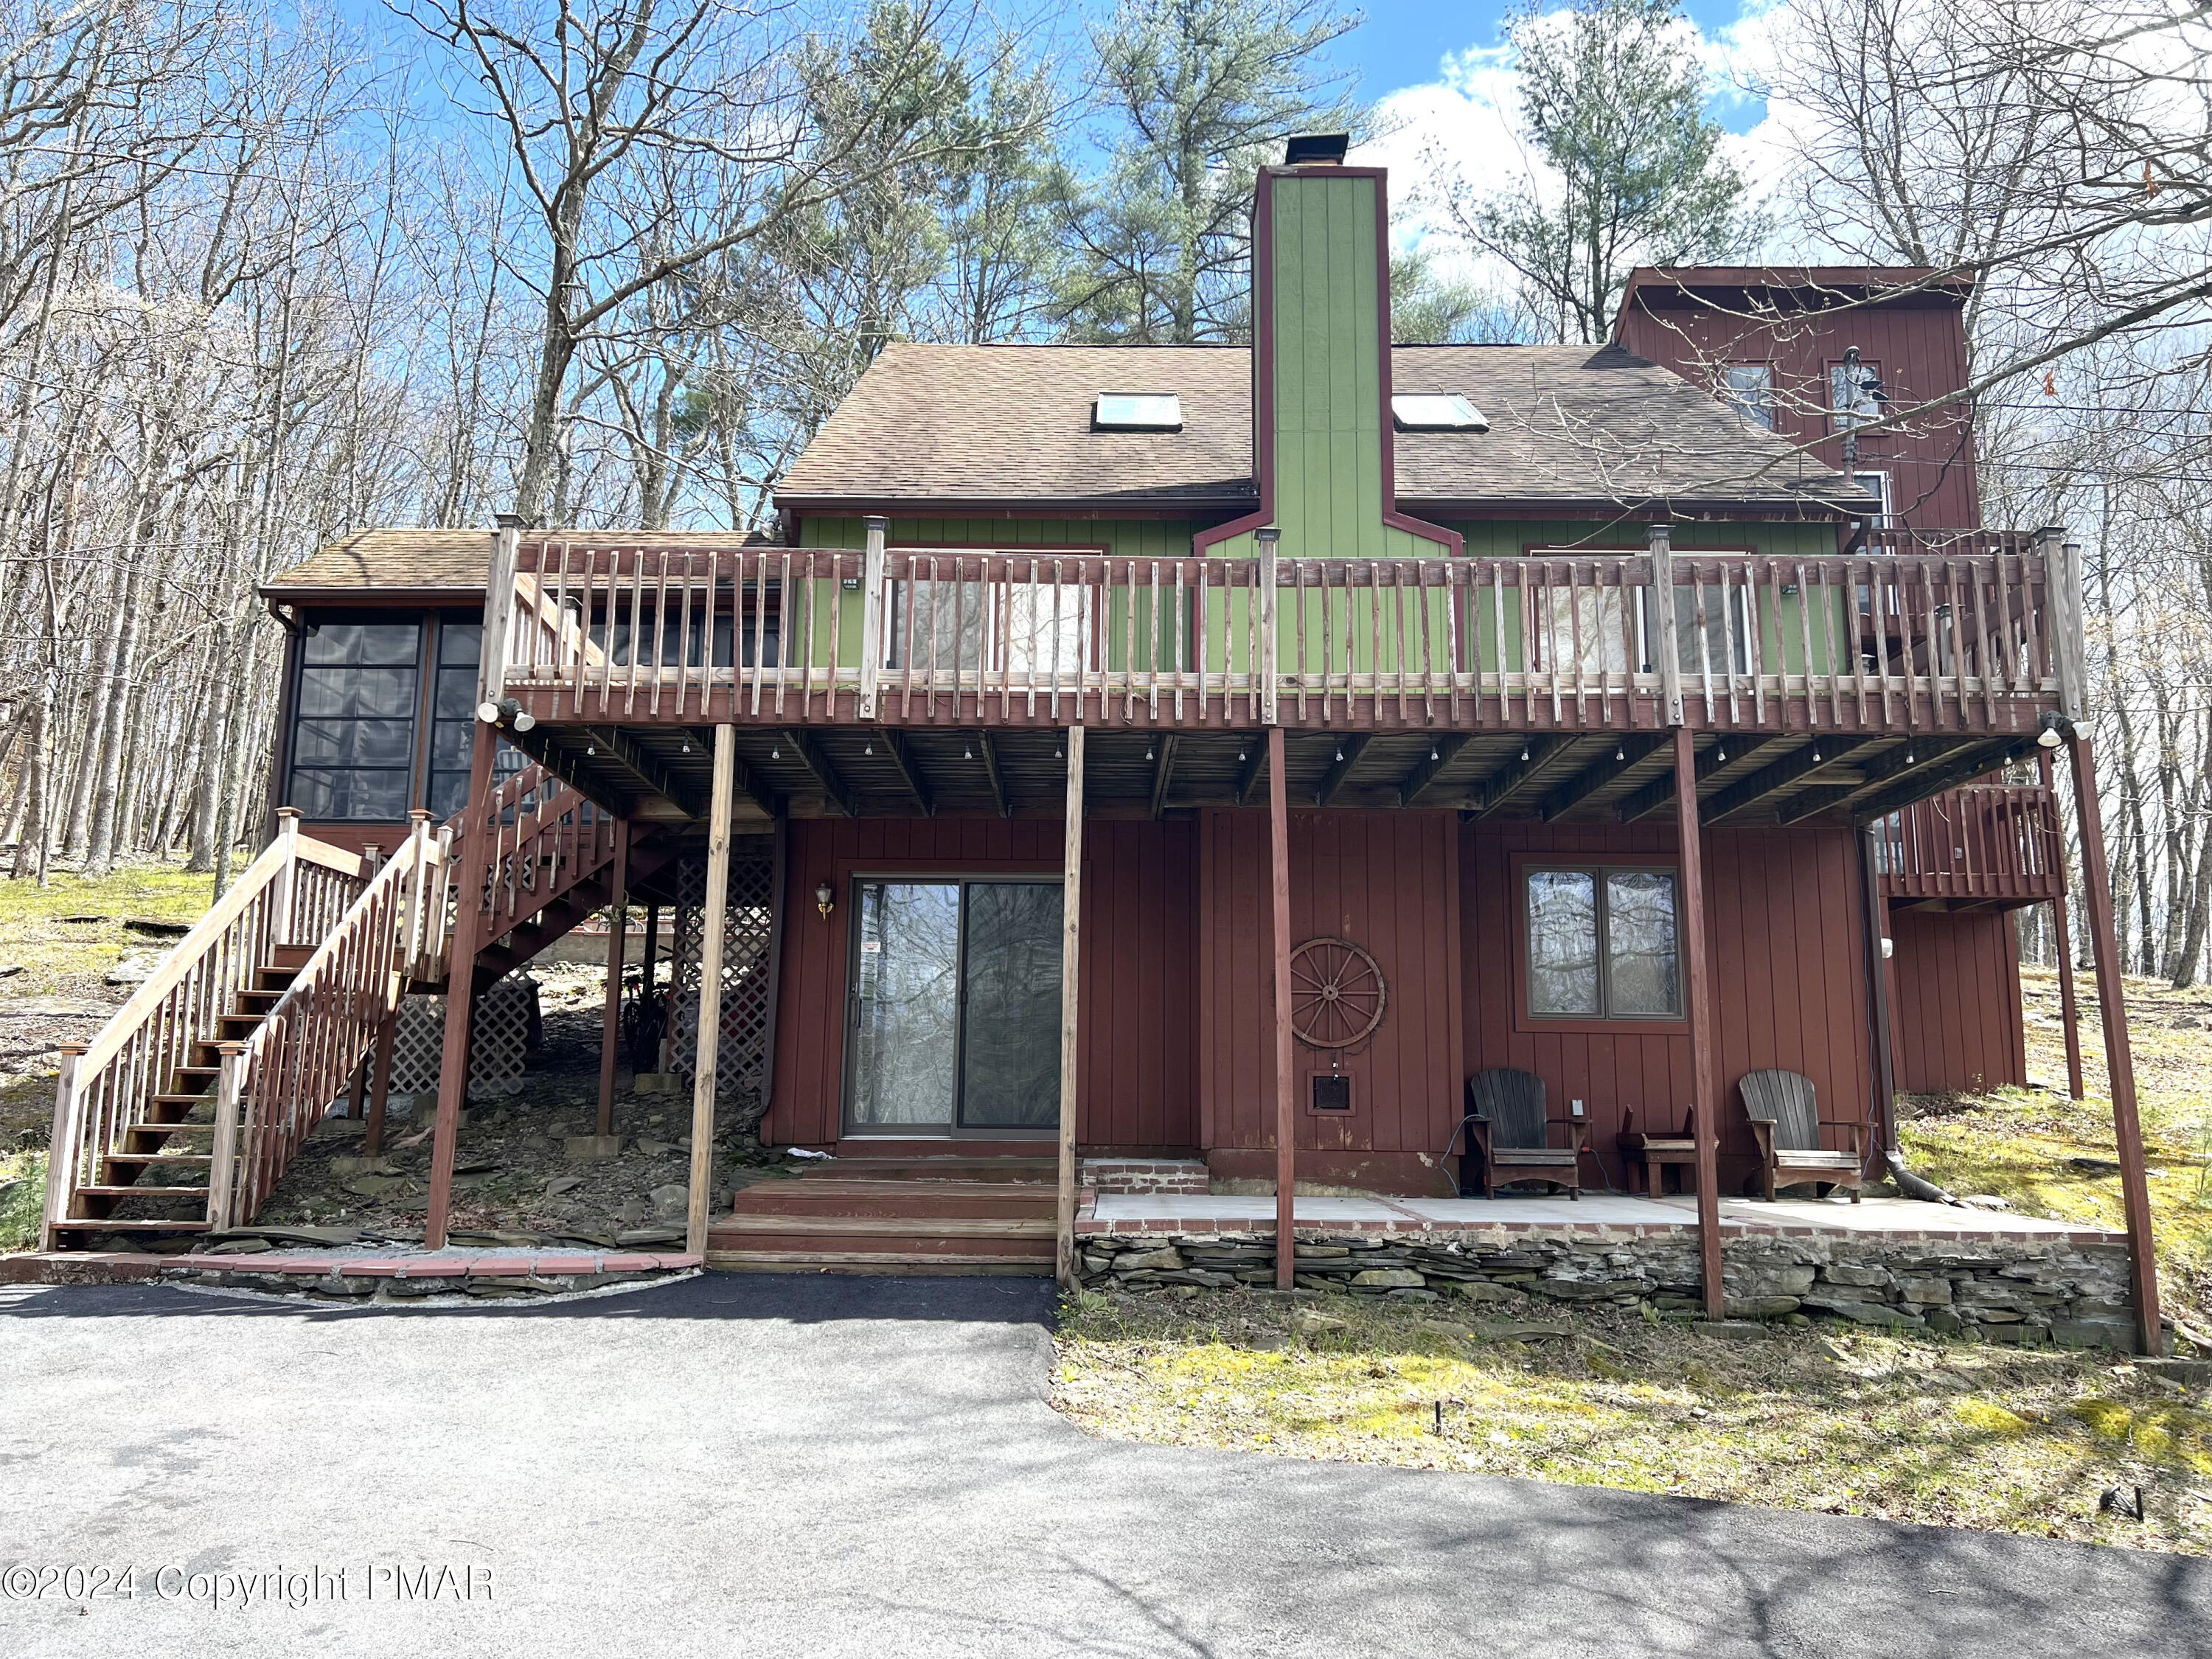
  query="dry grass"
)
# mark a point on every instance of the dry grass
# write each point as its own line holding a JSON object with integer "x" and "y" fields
{"x": 2018, "y": 1143}
{"x": 61, "y": 957}
{"x": 1848, "y": 1423}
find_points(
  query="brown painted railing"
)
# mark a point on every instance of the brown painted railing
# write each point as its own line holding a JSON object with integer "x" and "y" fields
{"x": 1959, "y": 640}
{"x": 283, "y": 1079}
{"x": 296, "y": 891}
{"x": 1986, "y": 842}
{"x": 546, "y": 838}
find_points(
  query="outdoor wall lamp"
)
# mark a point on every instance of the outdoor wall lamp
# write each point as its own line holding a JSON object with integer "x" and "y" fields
{"x": 2053, "y": 729}
{"x": 824, "y": 900}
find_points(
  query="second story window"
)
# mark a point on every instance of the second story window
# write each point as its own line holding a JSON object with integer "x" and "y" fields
{"x": 1748, "y": 389}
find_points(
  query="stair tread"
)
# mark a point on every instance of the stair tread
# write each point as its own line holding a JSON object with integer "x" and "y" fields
{"x": 127, "y": 1190}
{"x": 904, "y": 1226}
{"x": 170, "y": 1129}
{"x": 157, "y": 1157}
{"x": 89, "y": 1224}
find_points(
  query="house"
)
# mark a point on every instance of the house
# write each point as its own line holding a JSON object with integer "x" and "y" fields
{"x": 1188, "y": 764}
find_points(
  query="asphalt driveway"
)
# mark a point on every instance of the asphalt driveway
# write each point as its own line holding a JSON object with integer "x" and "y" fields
{"x": 739, "y": 1466}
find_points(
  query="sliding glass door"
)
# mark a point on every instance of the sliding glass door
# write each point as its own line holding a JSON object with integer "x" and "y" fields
{"x": 954, "y": 1014}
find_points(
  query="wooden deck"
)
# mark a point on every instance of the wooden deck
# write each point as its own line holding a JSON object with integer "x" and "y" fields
{"x": 1994, "y": 847}
{"x": 912, "y": 680}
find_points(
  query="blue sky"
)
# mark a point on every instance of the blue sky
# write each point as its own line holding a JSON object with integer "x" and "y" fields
{"x": 1403, "y": 42}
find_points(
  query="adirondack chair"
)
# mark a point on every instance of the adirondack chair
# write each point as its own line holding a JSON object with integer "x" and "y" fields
{"x": 1785, "y": 1119}
{"x": 1650, "y": 1155}
{"x": 1508, "y": 1127}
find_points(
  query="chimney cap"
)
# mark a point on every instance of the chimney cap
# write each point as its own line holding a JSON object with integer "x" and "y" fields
{"x": 1311, "y": 148}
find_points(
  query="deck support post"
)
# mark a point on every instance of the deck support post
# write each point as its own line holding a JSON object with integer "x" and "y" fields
{"x": 2119, "y": 1062}
{"x": 478, "y": 846}
{"x": 617, "y": 928}
{"x": 1071, "y": 940}
{"x": 1278, "y": 906}
{"x": 1877, "y": 934}
{"x": 1696, "y": 999}
{"x": 379, "y": 1087}
{"x": 713, "y": 924}
{"x": 2069, "y": 1010}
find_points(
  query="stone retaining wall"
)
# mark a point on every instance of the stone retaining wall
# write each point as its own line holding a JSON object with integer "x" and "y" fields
{"x": 2012, "y": 1290}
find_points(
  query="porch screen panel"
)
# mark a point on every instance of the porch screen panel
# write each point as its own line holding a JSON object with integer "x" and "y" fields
{"x": 353, "y": 736}
{"x": 906, "y": 989}
{"x": 1010, "y": 1057}
{"x": 1563, "y": 942}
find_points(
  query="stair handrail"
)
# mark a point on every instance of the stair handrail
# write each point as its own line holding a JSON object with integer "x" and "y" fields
{"x": 278, "y": 1083}
{"x": 516, "y": 889}
{"x": 287, "y": 891}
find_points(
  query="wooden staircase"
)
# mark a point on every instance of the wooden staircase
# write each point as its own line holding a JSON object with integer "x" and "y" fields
{"x": 896, "y": 1212}
{"x": 183, "y": 1112}
{"x": 175, "y": 1131}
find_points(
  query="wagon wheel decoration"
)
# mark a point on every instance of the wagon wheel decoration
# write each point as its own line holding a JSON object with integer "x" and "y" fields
{"x": 1337, "y": 994}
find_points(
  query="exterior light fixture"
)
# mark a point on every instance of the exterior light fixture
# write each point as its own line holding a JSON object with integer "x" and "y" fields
{"x": 1340, "y": 753}
{"x": 1148, "y": 752}
{"x": 824, "y": 900}
{"x": 2053, "y": 729}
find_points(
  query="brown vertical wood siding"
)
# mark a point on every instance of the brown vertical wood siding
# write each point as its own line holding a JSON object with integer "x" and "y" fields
{"x": 1920, "y": 351}
{"x": 1954, "y": 1011}
{"x": 1389, "y": 883}
{"x": 1138, "y": 1018}
{"x": 1788, "y": 967}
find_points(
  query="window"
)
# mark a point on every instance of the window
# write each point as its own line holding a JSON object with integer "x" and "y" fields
{"x": 1855, "y": 394}
{"x": 1875, "y": 485}
{"x": 353, "y": 738}
{"x": 1748, "y": 389}
{"x": 1138, "y": 411}
{"x": 1601, "y": 942}
{"x": 1421, "y": 412}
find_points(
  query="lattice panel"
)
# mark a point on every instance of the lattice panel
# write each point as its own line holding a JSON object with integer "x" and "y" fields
{"x": 505, "y": 1014}
{"x": 748, "y": 957}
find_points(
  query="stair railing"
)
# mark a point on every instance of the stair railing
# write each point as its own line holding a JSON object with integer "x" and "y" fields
{"x": 280, "y": 1082}
{"x": 546, "y": 837}
{"x": 294, "y": 891}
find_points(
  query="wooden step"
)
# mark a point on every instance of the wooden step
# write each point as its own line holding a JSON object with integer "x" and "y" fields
{"x": 179, "y": 1100}
{"x": 1040, "y": 1171}
{"x": 89, "y": 1224}
{"x": 875, "y": 1263}
{"x": 910, "y": 1243}
{"x": 294, "y": 956}
{"x": 895, "y": 1226}
{"x": 171, "y": 1129}
{"x": 140, "y": 1159}
{"x": 127, "y": 1191}
{"x": 900, "y": 1202}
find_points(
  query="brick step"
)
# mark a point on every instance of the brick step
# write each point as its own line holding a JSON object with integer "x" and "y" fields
{"x": 873, "y": 1262}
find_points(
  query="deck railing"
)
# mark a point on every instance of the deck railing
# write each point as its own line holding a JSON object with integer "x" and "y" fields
{"x": 282, "y": 1080}
{"x": 1969, "y": 638}
{"x": 1985, "y": 842}
{"x": 546, "y": 838}
{"x": 295, "y": 892}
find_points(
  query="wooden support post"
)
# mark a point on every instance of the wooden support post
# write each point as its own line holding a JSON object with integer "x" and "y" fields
{"x": 1665, "y": 647}
{"x": 2119, "y": 1062}
{"x": 2069, "y": 1011}
{"x": 1269, "y": 667}
{"x": 357, "y": 1097}
{"x": 478, "y": 841}
{"x": 1278, "y": 885}
{"x": 223, "y": 1163}
{"x": 1877, "y": 959}
{"x": 64, "y": 1167}
{"x": 379, "y": 1088}
{"x": 284, "y": 900}
{"x": 709, "y": 1053}
{"x": 1690, "y": 928}
{"x": 873, "y": 613}
{"x": 1071, "y": 939}
{"x": 617, "y": 926}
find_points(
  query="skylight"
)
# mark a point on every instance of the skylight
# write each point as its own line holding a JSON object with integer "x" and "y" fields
{"x": 1424, "y": 412}
{"x": 1138, "y": 411}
